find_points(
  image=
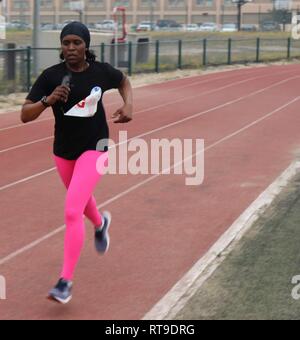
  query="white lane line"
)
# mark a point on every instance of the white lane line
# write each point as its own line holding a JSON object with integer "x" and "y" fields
{"x": 26, "y": 144}
{"x": 26, "y": 179}
{"x": 207, "y": 111}
{"x": 149, "y": 179}
{"x": 164, "y": 127}
{"x": 152, "y": 108}
{"x": 175, "y": 300}
{"x": 25, "y": 125}
{"x": 173, "y": 89}
{"x": 116, "y": 102}
{"x": 109, "y": 120}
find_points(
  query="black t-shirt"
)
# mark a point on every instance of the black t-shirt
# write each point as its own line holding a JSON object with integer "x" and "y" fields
{"x": 75, "y": 135}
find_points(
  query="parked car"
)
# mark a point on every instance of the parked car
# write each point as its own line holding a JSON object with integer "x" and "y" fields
{"x": 18, "y": 25}
{"x": 229, "y": 28}
{"x": 168, "y": 25}
{"x": 176, "y": 27}
{"x": 48, "y": 27}
{"x": 91, "y": 25}
{"x": 165, "y": 23}
{"x": 209, "y": 27}
{"x": 9, "y": 25}
{"x": 133, "y": 28}
{"x": 192, "y": 28}
{"x": 270, "y": 26}
{"x": 2, "y": 27}
{"x": 145, "y": 26}
{"x": 108, "y": 25}
{"x": 249, "y": 28}
{"x": 59, "y": 27}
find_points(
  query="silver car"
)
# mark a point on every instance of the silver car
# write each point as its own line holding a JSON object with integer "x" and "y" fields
{"x": 208, "y": 27}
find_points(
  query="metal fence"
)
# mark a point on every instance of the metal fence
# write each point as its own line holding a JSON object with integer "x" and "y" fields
{"x": 14, "y": 70}
{"x": 17, "y": 65}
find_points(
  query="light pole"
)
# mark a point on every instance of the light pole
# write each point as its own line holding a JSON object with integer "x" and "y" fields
{"x": 116, "y": 40}
{"x": 35, "y": 34}
{"x": 187, "y": 13}
{"x": 151, "y": 7}
{"x": 78, "y": 6}
{"x": 223, "y": 14}
{"x": 2, "y": 21}
{"x": 240, "y": 4}
{"x": 3, "y": 9}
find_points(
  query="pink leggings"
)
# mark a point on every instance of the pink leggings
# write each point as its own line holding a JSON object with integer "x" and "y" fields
{"x": 80, "y": 178}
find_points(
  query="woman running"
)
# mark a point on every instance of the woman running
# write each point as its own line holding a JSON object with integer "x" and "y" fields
{"x": 74, "y": 90}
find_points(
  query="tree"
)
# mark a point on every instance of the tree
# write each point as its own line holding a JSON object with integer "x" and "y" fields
{"x": 282, "y": 16}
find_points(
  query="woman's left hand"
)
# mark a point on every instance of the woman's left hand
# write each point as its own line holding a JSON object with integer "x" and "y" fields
{"x": 124, "y": 114}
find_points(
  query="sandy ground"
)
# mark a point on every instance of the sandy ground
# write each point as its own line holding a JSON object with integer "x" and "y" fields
{"x": 14, "y": 101}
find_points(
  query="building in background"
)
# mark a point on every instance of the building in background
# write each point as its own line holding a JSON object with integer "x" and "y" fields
{"x": 182, "y": 11}
{"x": 2, "y": 6}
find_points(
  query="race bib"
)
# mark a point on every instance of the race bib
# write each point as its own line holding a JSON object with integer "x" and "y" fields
{"x": 88, "y": 106}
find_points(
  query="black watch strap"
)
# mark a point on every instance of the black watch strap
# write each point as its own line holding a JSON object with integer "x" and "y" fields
{"x": 44, "y": 101}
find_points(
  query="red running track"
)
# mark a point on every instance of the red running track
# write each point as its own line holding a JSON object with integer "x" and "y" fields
{"x": 249, "y": 121}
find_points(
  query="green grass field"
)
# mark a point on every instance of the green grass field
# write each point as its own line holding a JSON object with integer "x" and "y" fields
{"x": 24, "y": 38}
{"x": 217, "y": 35}
{"x": 20, "y": 38}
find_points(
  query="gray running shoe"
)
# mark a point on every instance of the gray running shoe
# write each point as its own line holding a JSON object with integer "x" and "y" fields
{"x": 101, "y": 234}
{"x": 62, "y": 292}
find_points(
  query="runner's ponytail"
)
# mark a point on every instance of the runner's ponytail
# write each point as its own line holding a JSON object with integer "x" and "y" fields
{"x": 90, "y": 56}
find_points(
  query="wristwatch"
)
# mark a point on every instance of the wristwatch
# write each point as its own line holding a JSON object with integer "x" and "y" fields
{"x": 44, "y": 101}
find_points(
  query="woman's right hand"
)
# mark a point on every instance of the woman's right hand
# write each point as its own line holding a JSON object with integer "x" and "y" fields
{"x": 60, "y": 94}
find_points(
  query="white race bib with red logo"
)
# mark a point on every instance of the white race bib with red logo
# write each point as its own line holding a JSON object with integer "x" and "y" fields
{"x": 88, "y": 106}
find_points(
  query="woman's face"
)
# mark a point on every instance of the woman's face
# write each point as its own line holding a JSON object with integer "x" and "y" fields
{"x": 73, "y": 49}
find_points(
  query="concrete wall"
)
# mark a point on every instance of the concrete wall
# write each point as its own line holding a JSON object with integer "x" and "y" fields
{"x": 50, "y": 39}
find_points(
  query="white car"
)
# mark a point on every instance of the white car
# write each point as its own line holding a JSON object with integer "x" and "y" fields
{"x": 192, "y": 28}
{"x": 229, "y": 28}
{"x": 108, "y": 25}
{"x": 208, "y": 27}
{"x": 145, "y": 26}
{"x": 2, "y": 30}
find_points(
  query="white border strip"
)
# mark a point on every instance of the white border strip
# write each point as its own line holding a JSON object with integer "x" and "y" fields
{"x": 175, "y": 300}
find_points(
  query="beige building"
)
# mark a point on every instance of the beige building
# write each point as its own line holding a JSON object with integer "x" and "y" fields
{"x": 183, "y": 11}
